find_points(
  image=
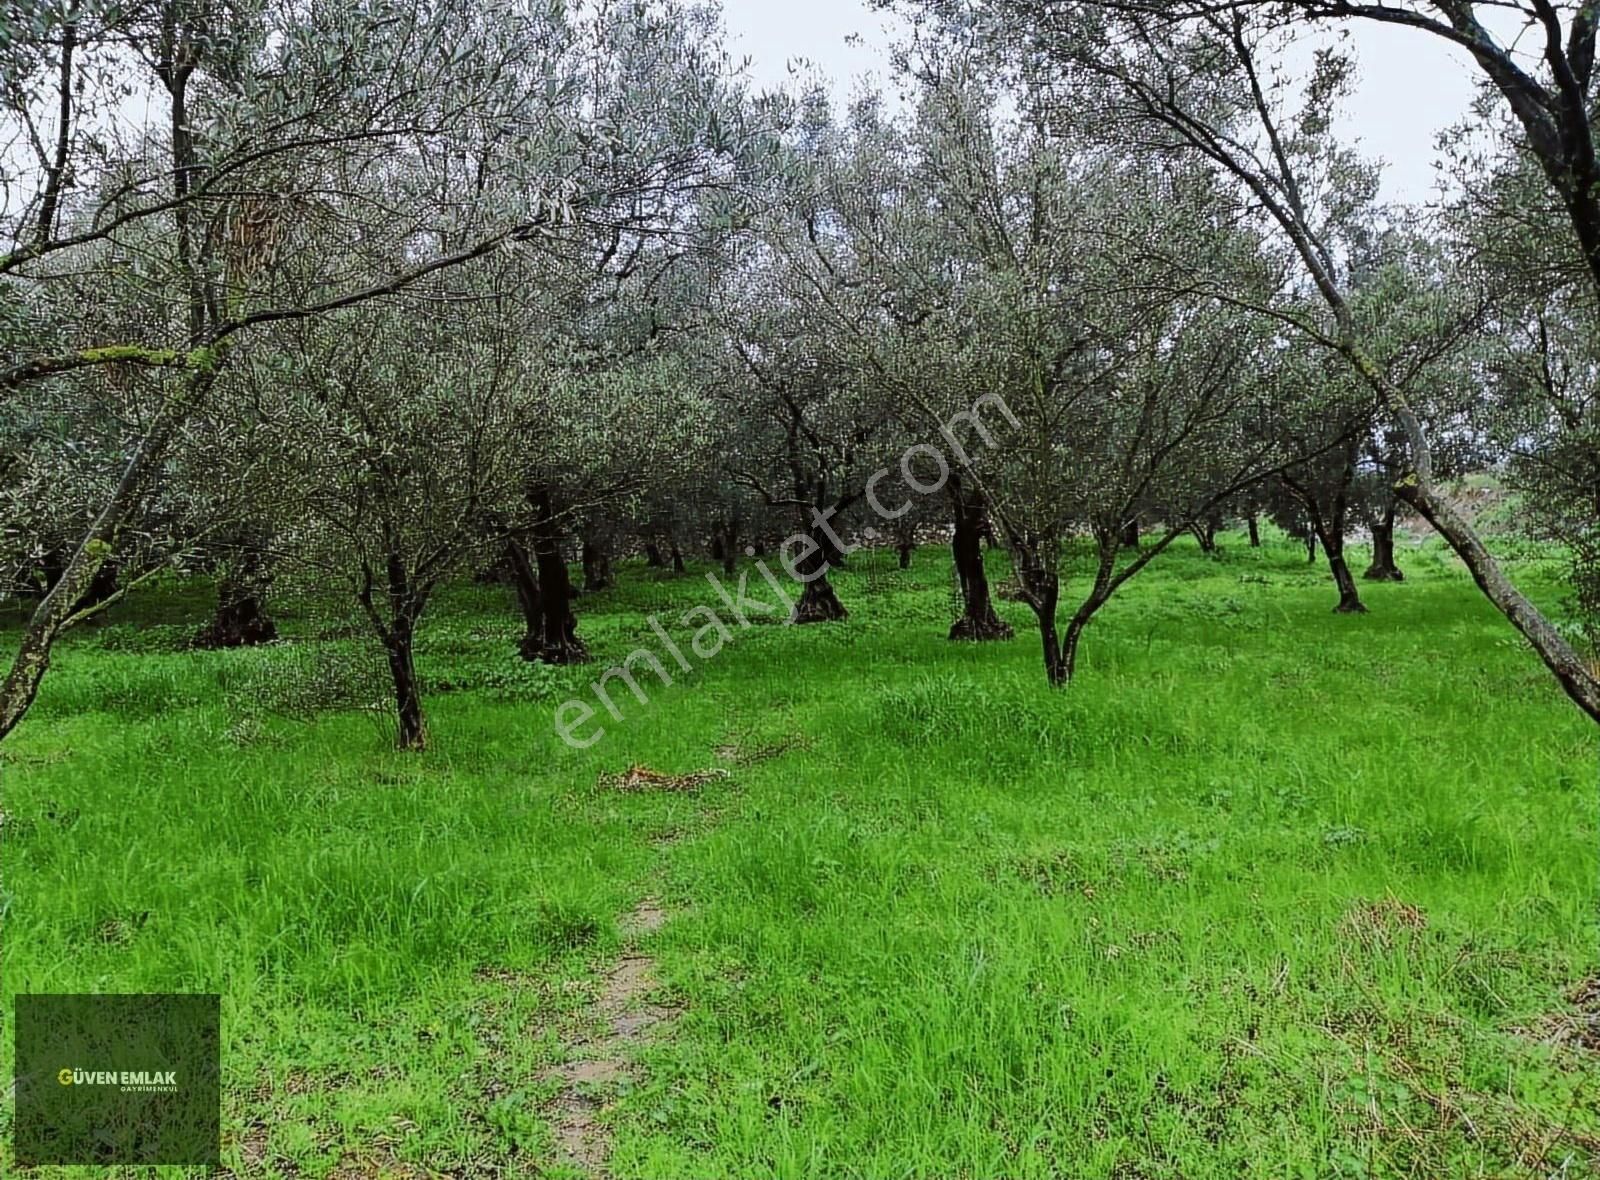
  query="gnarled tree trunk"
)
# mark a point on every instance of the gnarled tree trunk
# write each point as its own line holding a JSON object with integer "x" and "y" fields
{"x": 525, "y": 581}
{"x": 818, "y": 602}
{"x": 978, "y": 619}
{"x": 241, "y": 618}
{"x": 1330, "y": 529}
{"x": 554, "y": 639}
{"x": 105, "y": 583}
{"x": 1349, "y": 597}
{"x": 1383, "y": 567}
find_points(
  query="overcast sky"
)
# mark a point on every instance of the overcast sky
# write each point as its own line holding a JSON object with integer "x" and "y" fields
{"x": 1412, "y": 86}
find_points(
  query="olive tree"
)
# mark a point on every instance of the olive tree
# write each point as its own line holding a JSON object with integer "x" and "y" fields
{"x": 1202, "y": 79}
{"x": 275, "y": 135}
{"x": 1009, "y": 266}
{"x": 814, "y": 426}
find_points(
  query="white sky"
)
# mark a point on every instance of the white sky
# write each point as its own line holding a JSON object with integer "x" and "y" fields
{"x": 1412, "y": 86}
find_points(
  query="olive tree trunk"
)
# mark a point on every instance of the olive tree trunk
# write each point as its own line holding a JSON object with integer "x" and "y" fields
{"x": 241, "y": 618}
{"x": 978, "y": 620}
{"x": 1383, "y": 567}
{"x": 412, "y": 733}
{"x": 596, "y": 566}
{"x": 818, "y": 602}
{"x": 59, "y": 607}
{"x": 552, "y": 636}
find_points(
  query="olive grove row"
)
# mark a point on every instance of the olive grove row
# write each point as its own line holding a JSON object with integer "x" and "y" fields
{"x": 384, "y": 292}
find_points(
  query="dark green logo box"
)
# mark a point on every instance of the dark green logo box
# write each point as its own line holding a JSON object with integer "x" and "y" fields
{"x": 118, "y": 1079}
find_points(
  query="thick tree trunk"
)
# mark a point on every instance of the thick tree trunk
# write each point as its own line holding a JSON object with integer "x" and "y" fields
{"x": 818, "y": 603}
{"x": 1205, "y": 531}
{"x": 1254, "y": 526}
{"x": 554, "y": 640}
{"x": 1349, "y": 597}
{"x": 106, "y": 581}
{"x": 1311, "y": 545}
{"x": 978, "y": 619}
{"x": 43, "y": 578}
{"x": 677, "y": 558}
{"x": 1329, "y": 527}
{"x": 526, "y": 583}
{"x": 104, "y": 586}
{"x": 1383, "y": 567}
{"x": 652, "y": 556}
{"x": 559, "y": 638}
{"x": 725, "y": 546}
{"x": 906, "y": 550}
{"x": 241, "y": 618}
{"x": 1130, "y": 533}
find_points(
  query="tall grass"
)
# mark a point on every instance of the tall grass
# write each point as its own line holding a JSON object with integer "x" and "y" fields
{"x": 1268, "y": 891}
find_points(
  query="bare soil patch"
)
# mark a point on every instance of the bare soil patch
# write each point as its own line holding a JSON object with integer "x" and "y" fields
{"x": 622, "y": 1018}
{"x": 1576, "y": 1026}
{"x": 642, "y": 778}
{"x": 1378, "y": 925}
{"x": 742, "y": 753}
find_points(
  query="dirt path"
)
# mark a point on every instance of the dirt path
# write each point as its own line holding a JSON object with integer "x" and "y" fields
{"x": 620, "y": 1020}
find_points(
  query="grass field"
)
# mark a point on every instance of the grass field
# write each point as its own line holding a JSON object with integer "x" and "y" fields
{"x": 1267, "y": 892}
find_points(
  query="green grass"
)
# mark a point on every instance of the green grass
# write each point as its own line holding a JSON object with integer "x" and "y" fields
{"x": 1267, "y": 892}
